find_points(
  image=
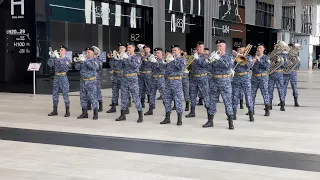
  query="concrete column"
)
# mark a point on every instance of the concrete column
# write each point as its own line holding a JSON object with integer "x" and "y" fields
{"x": 66, "y": 33}
{"x": 250, "y": 12}
{"x": 208, "y": 14}
{"x": 298, "y": 15}
{"x": 159, "y": 31}
{"x": 100, "y": 36}
{"x": 277, "y": 14}
{"x": 315, "y": 18}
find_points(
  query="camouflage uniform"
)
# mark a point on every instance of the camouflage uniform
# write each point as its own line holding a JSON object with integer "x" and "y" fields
{"x": 198, "y": 83}
{"x": 116, "y": 83}
{"x": 259, "y": 80}
{"x": 158, "y": 82}
{"x": 241, "y": 83}
{"x": 145, "y": 79}
{"x": 88, "y": 86}
{"x": 173, "y": 87}
{"x": 99, "y": 94}
{"x": 60, "y": 81}
{"x": 130, "y": 68}
{"x": 276, "y": 78}
{"x": 292, "y": 77}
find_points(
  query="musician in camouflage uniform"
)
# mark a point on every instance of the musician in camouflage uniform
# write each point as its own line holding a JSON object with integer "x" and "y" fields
{"x": 88, "y": 82}
{"x": 158, "y": 79}
{"x": 198, "y": 79}
{"x": 116, "y": 78}
{"x": 173, "y": 83}
{"x": 145, "y": 77}
{"x": 130, "y": 64}
{"x": 276, "y": 78}
{"x": 220, "y": 83}
{"x": 61, "y": 66}
{"x": 260, "y": 78}
{"x": 241, "y": 83}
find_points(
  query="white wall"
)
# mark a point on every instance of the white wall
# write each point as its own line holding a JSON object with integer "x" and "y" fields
{"x": 228, "y": 42}
{"x": 308, "y": 52}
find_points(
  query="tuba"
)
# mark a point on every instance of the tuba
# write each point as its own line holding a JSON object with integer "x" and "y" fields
{"x": 96, "y": 51}
{"x": 276, "y": 60}
{"x": 190, "y": 60}
{"x": 292, "y": 59}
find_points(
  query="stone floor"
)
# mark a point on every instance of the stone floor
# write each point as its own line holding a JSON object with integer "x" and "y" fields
{"x": 294, "y": 131}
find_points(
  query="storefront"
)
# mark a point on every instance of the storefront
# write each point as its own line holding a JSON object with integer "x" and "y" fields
{"x": 76, "y": 24}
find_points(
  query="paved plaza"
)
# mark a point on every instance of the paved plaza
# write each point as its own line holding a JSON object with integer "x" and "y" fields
{"x": 284, "y": 146}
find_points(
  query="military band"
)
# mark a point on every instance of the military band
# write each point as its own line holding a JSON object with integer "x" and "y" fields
{"x": 174, "y": 74}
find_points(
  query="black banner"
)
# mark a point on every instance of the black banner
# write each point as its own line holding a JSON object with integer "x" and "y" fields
{"x": 221, "y": 28}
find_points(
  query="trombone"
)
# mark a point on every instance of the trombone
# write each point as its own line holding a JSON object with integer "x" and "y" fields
{"x": 242, "y": 59}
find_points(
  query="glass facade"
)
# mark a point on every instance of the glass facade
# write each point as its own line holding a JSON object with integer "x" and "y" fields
{"x": 264, "y": 14}
{"x": 288, "y": 18}
{"x": 306, "y": 19}
{"x": 184, "y": 23}
{"x": 80, "y": 24}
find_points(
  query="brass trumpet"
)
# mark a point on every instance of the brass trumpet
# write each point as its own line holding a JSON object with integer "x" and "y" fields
{"x": 113, "y": 54}
{"x": 241, "y": 59}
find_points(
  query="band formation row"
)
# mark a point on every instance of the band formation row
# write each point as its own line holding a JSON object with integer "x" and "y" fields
{"x": 175, "y": 74}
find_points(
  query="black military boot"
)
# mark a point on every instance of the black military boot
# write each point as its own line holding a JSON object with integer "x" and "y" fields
{"x": 192, "y": 112}
{"x": 142, "y": 103}
{"x": 174, "y": 106}
{"x": 249, "y": 114}
{"x": 267, "y": 111}
{"x": 89, "y": 106}
{"x": 296, "y": 104}
{"x": 100, "y": 106}
{"x": 95, "y": 114}
{"x": 113, "y": 109}
{"x": 270, "y": 106}
{"x": 209, "y": 123}
{"x": 200, "y": 102}
{"x": 282, "y": 106}
{"x": 127, "y": 110}
{"x": 150, "y": 112}
{"x": 67, "y": 112}
{"x": 140, "y": 120}
{"x": 122, "y": 116}
{"x": 148, "y": 96}
{"x": 167, "y": 119}
{"x": 179, "y": 122}
{"x": 54, "y": 112}
{"x": 251, "y": 118}
{"x": 160, "y": 97}
{"x": 234, "y": 117}
{"x": 187, "y": 106}
{"x": 84, "y": 114}
{"x": 241, "y": 104}
{"x": 230, "y": 122}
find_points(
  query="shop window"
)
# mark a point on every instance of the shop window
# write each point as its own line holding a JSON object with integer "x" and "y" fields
{"x": 264, "y": 14}
{"x": 288, "y": 18}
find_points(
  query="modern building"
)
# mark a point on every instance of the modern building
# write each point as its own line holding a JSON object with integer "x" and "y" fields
{"x": 32, "y": 26}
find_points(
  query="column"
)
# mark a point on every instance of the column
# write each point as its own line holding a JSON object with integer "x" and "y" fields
{"x": 250, "y": 12}
{"x": 208, "y": 14}
{"x": 277, "y": 14}
{"x": 298, "y": 15}
{"x": 159, "y": 30}
{"x": 315, "y": 18}
{"x": 66, "y": 33}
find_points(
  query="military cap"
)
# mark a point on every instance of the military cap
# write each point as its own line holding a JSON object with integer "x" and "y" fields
{"x": 220, "y": 41}
{"x": 146, "y": 46}
{"x": 206, "y": 49}
{"x": 200, "y": 43}
{"x": 64, "y": 48}
{"x": 167, "y": 51}
{"x": 175, "y": 46}
{"x": 131, "y": 43}
{"x": 90, "y": 48}
{"x": 158, "y": 49}
{"x": 241, "y": 45}
{"x": 120, "y": 44}
{"x": 260, "y": 44}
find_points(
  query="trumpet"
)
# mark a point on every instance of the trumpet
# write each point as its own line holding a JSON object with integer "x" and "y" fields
{"x": 52, "y": 53}
{"x": 215, "y": 55}
{"x": 241, "y": 59}
{"x": 113, "y": 54}
{"x": 80, "y": 58}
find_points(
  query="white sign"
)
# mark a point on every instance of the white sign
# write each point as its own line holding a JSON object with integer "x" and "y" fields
{"x": 14, "y": 14}
{"x": 135, "y": 37}
{"x": 34, "y": 66}
{"x": 225, "y": 29}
